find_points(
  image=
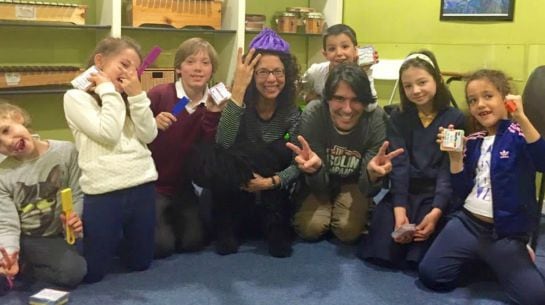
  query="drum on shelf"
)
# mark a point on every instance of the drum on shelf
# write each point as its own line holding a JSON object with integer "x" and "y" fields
{"x": 254, "y": 22}
{"x": 314, "y": 23}
{"x": 286, "y": 22}
{"x": 300, "y": 13}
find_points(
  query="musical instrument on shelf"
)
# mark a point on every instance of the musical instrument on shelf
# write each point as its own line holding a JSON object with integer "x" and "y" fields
{"x": 254, "y": 22}
{"x": 314, "y": 23}
{"x": 29, "y": 76}
{"x": 176, "y": 13}
{"x": 42, "y": 11}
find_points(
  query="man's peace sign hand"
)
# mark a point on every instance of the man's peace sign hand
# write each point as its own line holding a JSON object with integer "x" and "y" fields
{"x": 307, "y": 160}
{"x": 381, "y": 164}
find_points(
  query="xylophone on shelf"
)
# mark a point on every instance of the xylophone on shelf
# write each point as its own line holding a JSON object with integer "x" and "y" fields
{"x": 31, "y": 76}
{"x": 176, "y": 13}
{"x": 42, "y": 11}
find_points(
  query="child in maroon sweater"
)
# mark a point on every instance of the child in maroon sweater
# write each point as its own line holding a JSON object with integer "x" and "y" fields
{"x": 185, "y": 116}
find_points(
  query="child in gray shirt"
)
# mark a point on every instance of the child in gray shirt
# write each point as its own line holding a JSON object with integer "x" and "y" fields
{"x": 31, "y": 217}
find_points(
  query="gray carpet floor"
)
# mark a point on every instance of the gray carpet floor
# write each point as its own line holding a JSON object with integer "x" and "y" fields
{"x": 323, "y": 273}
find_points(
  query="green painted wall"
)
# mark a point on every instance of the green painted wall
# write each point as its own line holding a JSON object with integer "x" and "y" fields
{"x": 397, "y": 27}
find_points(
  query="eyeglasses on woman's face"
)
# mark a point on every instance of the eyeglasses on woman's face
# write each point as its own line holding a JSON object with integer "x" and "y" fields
{"x": 264, "y": 73}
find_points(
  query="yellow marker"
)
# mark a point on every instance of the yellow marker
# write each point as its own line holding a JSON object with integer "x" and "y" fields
{"x": 67, "y": 208}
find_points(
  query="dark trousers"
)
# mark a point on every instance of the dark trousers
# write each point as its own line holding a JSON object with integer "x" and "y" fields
{"x": 379, "y": 246}
{"x": 466, "y": 241}
{"x": 52, "y": 260}
{"x": 119, "y": 222}
{"x": 178, "y": 226}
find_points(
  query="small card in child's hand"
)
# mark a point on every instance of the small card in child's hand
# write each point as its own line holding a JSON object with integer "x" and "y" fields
{"x": 407, "y": 229}
{"x": 220, "y": 93}
{"x": 453, "y": 140}
{"x": 180, "y": 105}
{"x": 366, "y": 55}
{"x": 82, "y": 81}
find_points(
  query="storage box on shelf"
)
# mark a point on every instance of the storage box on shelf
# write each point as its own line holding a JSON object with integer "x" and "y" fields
{"x": 155, "y": 76}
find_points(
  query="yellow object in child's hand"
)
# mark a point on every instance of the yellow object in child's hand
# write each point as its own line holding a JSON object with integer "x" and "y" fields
{"x": 67, "y": 208}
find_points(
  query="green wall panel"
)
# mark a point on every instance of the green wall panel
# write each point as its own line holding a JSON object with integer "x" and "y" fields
{"x": 399, "y": 27}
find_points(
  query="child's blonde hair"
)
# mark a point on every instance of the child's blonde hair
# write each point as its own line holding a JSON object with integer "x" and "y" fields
{"x": 14, "y": 112}
{"x": 192, "y": 46}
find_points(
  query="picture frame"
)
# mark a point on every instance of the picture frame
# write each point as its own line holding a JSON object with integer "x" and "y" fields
{"x": 477, "y": 10}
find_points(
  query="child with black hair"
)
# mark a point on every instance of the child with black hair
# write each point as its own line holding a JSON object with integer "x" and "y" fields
{"x": 420, "y": 191}
{"x": 260, "y": 115}
{"x": 340, "y": 45}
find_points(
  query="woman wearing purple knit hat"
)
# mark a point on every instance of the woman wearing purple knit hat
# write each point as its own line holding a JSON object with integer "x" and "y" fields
{"x": 250, "y": 171}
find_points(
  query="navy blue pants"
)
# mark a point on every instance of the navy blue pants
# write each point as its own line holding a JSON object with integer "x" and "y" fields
{"x": 379, "y": 246}
{"x": 467, "y": 241}
{"x": 118, "y": 222}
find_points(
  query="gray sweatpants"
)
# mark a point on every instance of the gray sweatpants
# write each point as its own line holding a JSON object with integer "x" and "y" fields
{"x": 52, "y": 260}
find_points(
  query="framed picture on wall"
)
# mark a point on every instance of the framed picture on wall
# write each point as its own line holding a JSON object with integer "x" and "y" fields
{"x": 477, "y": 9}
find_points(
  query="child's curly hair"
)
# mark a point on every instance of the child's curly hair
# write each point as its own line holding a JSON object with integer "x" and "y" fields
{"x": 14, "y": 112}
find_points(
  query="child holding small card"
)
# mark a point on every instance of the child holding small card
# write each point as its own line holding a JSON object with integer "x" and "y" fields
{"x": 31, "y": 217}
{"x": 112, "y": 124}
{"x": 186, "y": 114}
{"x": 496, "y": 176}
{"x": 420, "y": 190}
{"x": 340, "y": 45}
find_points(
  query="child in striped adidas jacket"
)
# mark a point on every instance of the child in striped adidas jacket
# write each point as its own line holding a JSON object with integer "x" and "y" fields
{"x": 496, "y": 176}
